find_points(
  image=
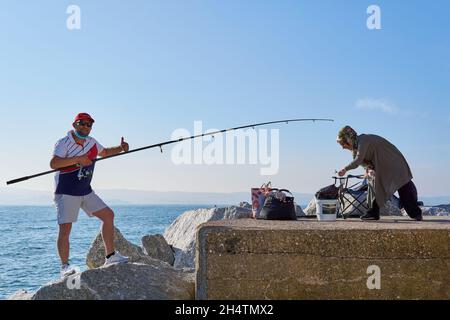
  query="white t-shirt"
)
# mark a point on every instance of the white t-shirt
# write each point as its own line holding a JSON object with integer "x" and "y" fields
{"x": 76, "y": 180}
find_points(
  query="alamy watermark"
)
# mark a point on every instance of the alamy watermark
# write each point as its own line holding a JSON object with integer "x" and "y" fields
{"x": 374, "y": 20}
{"x": 73, "y": 281}
{"x": 374, "y": 280}
{"x": 235, "y": 147}
{"x": 73, "y": 21}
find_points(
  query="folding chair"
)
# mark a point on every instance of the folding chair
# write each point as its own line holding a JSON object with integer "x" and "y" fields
{"x": 352, "y": 199}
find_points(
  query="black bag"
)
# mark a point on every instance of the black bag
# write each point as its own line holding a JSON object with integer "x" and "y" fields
{"x": 328, "y": 193}
{"x": 276, "y": 209}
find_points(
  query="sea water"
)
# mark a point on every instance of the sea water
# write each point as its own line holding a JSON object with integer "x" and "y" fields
{"x": 28, "y": 253}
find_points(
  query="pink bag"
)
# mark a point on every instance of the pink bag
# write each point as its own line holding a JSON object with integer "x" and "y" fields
{"x": 258, "y": 197}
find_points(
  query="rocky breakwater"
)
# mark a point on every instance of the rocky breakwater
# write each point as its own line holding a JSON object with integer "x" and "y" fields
{"x": 148, "y": 276}
{"x": 161, "y": 268}
{"x": 181, "y": 234}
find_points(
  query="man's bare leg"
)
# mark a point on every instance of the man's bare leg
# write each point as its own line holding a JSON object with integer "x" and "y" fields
{"x": 107, "y": 217}
{"x": 63, "y": 242}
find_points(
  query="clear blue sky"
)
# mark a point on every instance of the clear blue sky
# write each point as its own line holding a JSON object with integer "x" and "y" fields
{"x": 145, "y": 68}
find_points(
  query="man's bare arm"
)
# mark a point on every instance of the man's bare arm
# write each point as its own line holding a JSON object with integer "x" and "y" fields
{"x": 57, "y": 162}
{"x": 106, "y": 152}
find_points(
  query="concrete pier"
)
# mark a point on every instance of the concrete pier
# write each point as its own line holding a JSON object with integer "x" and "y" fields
{"x": 394, "y": 258}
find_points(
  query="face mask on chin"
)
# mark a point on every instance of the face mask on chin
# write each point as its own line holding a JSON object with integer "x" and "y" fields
{"x": 79, "y": 135}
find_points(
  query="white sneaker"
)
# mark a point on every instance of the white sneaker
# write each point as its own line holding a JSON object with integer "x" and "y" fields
{"x": 116, "y": 258}
{"x": 66, "y": 270}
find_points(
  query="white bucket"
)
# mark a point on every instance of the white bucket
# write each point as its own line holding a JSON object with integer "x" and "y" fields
{"x": 326, "y": 210}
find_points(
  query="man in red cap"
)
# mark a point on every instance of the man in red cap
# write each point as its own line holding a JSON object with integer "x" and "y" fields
{"x": 76, "y": 152}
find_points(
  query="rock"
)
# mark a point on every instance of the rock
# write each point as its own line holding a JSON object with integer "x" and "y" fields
{"x": 299, "y": 211}
{"x": 129, "y": 281}
{"x": 96, "y": 255}
{"x": 157, "y": 247}
{"x": 440, "y": 210}
{"x": 310, "y": 209}
{"x": 181, "y": 234}
{"x": 392, "y": 208}
{"x": 445, "y": 207}
{"x": 245, "y": 204}
{"x": 21, "y": 295}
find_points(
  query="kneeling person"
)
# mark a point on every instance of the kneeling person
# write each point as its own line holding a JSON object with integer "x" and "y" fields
{"x": 391, "y": 171}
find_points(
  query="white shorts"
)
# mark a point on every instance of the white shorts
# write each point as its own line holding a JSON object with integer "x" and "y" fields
{"x": 68, "y": 206}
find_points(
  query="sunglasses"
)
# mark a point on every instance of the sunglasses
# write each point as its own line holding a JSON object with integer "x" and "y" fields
{"x": 83, "y": 123}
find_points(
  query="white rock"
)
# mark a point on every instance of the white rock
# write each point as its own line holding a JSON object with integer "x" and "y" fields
{"x": 441, "y": 210}
{"x": 299, "y": 211}
{"x": 129, "y": 281}
{"x": 391, "y": 208}
{"x": 181, "y": 234}
{"x": 157, "y": 247}
{"x": 245, "y": 204}
{"x": 96, "y": 255}
{"x": 310, "y": 209}
{"x": 21, "y": 295}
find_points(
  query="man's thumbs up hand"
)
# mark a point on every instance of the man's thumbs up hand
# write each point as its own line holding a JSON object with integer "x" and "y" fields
{"x": 124, "y": 145}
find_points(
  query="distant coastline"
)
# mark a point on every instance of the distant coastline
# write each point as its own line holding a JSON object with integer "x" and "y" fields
{"x": 21, "y": 197}
{"x": 139, "y": 197}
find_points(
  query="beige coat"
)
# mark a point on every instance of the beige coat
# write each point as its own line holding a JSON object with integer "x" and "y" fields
{"x": 391, "y": 169}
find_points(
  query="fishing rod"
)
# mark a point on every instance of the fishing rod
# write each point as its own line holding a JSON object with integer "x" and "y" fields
{"x": 161, "y": 144}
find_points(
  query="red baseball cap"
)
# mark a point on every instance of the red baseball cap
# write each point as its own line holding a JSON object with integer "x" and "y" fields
{"x": 83, "y": 116}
